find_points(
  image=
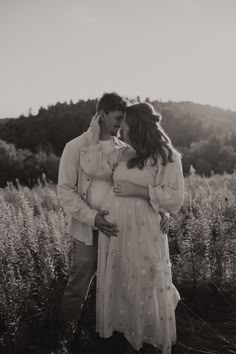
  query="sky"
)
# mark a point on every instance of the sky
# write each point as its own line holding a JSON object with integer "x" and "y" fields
{"x": 60, "y": 50}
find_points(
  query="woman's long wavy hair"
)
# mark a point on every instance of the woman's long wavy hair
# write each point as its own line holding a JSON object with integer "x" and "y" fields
{"x": 146, "y": 136}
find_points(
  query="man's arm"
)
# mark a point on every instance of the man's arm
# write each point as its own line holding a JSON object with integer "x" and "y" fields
{"x": 67, "y": 190}
{"x": 71, "y": 200}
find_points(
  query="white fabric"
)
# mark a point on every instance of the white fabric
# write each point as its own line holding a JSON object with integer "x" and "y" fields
{"x": 73, "y": 183}
{"x": 99, "y": 188}
{"x": 135, "y": 294}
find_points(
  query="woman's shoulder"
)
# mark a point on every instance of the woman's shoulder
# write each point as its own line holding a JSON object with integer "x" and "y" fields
{"x": 159, "y": 166}
{"x": 127, "y": 154}
{"x": 176, "y": 154}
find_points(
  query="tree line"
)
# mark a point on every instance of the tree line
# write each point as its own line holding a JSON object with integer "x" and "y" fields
{"x": 30, "y": 146}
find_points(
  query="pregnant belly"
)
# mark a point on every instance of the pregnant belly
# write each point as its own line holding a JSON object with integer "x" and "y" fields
{"x": 139, "y": 234}
{"x": 97, "y": 192}
{"x": 124, "y": 210}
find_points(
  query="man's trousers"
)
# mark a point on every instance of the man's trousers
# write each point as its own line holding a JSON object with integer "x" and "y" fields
{"x": 83, "y": 268}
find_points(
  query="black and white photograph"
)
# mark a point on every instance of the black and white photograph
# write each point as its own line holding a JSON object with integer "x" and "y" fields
{"x": 118, "y": 177}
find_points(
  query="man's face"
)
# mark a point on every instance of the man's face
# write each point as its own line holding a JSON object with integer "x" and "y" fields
{"x": 111, "y": 122}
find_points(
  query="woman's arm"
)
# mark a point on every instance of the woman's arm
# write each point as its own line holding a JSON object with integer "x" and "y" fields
{"x": 94, "y": 162}
{"x": 129, "y": 189}
{"x": 168, "y": 193}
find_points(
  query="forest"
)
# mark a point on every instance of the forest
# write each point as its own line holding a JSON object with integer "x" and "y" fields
{"x": 30, "y": 146}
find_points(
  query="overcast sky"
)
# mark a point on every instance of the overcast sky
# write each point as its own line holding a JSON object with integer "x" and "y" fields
{"x": 57, "y": 50}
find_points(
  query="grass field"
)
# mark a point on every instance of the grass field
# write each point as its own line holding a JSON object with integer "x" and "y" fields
{"x": 34, "y": 256}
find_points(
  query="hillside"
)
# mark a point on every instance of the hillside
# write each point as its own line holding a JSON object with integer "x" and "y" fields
{"x": 209, "y": 115}
{"x": 4, "y": 120}
{"x": 205, "y": 135}
{"x": 55, "y": 125}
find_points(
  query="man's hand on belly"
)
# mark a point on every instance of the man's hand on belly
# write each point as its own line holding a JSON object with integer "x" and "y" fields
{"x": 107, "y": 228}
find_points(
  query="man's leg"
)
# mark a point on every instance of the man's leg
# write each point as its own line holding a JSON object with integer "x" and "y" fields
{"x": 83, "y": 268}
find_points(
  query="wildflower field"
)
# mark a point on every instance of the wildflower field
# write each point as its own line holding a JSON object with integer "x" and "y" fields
{"x": 34, "y": 266}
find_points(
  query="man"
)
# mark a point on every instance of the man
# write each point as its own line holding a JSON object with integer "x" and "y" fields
{"x": 81, "y": 198}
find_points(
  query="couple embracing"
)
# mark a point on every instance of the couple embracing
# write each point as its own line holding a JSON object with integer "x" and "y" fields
{"x": 116, "y": 193}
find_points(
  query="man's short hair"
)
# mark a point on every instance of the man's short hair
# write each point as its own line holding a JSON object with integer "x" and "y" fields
{"x": 110, "y": 102}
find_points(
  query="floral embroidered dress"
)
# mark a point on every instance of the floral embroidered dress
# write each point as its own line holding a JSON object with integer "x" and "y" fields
{"x": 135, "y": 294}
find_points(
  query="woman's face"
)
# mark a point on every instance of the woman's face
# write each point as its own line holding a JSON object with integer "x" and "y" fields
{"x": 124, "y": 131}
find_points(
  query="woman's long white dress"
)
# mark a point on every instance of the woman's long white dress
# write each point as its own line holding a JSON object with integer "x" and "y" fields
{"x": 135, "y": 294}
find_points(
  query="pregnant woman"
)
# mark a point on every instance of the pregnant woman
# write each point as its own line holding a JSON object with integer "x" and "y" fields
{"x": 135, "y": 294}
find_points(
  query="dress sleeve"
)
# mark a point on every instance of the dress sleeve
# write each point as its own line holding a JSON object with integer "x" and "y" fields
{"x": 168, "y": 193}
{"x": 97, "y": 163}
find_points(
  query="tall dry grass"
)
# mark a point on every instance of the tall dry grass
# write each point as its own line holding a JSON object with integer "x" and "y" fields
{"x": 33, "y": 256}
{"x": 203, "y": 234}
{"x": 34, "y": 250}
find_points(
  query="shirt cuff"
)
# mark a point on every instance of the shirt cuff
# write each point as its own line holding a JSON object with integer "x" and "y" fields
{"x": 91, "y": 218}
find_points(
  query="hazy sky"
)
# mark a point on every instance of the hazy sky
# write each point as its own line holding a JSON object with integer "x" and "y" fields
{"x": 57, "y": 50}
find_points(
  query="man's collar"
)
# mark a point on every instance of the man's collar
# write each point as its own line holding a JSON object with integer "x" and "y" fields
{"x": 118, "y": 142}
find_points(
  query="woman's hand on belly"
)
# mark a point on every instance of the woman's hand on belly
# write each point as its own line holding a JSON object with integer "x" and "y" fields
{"x": 129, "y": 189}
